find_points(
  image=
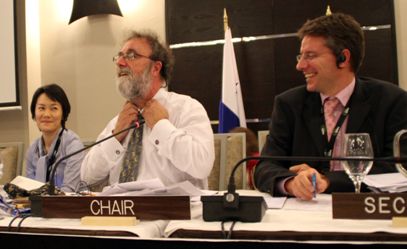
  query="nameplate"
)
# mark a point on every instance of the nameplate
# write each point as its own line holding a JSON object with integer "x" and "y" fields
{"x": 369, "y": 205}
{"x": 143, "y": 207}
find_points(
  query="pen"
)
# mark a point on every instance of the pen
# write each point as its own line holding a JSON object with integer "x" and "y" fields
{"x": 314, "y": 184}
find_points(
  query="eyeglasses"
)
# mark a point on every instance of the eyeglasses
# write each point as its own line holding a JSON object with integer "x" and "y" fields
{"x": 309, "y": 56}
{"x": 130, "y": 56}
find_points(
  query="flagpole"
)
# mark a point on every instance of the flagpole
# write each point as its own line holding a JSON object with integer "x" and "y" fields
{"x": 231, "y": 109}
{"x": 328, "y": 11}
{"x": 225, "y": 20}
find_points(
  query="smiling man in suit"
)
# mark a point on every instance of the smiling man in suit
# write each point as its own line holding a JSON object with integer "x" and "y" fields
{"x": 311, "y": 120}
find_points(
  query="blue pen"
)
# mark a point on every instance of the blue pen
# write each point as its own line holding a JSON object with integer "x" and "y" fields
{"x": 314, "y": 184}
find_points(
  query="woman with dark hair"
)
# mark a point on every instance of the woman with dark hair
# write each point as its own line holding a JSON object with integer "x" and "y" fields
{"x": 50, "y": 108}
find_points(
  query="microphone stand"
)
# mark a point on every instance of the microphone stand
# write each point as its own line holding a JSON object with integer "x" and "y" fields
{"x": 51, "y": 189}
{"x": 231, "y": 206}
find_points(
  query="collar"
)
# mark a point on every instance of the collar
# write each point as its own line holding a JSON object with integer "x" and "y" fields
{"x": 41, "y": 147}
{"x": 343, "y": 95}
{"x": 160, "y": 94}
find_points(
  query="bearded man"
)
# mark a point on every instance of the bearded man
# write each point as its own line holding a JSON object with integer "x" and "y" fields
{"x": 175, "y": 143}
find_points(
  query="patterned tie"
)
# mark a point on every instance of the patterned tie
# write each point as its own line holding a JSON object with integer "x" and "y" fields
{"x": 131, "y": 159}
{"x": 332, "y": 110}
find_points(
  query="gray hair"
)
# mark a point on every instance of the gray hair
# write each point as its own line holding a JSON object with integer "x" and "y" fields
{"x": 160, "y": 52}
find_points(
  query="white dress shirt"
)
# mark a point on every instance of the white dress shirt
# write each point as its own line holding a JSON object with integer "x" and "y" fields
{"x": 343, "y": 96}
{"x": 176, "y": 149}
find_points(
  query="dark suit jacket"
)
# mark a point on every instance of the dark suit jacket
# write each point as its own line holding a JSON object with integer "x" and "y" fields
{"x": 377, "y": 107}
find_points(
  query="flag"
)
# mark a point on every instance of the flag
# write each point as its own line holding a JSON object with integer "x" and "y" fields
{"x": 231, "y": 110}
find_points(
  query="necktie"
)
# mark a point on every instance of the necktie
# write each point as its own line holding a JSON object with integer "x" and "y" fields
{"x": 131, "y": 159}
{"x": 332, "y": 110}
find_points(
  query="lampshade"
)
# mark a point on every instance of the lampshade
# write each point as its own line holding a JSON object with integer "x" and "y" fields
{"x": 82, "y": 8}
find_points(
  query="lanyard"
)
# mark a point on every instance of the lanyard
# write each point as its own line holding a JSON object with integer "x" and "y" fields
{"x": 53, "y": 157}
{"x": 330, "y": 143}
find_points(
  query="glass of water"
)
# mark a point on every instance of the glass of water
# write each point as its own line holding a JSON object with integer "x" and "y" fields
{"x": 357, "y": 146}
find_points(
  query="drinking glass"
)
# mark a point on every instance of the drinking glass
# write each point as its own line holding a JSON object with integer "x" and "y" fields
{"x": 400, "y": 150}
{"x": 357, "y": 146}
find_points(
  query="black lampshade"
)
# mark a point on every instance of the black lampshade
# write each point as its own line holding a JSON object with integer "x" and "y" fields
{"x": 82, "y": 8}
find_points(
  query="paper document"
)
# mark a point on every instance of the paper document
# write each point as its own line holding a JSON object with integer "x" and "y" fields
{"x": 322, "y": 202}
{"x": 271, "y": 202}
{"x": 124, "y": 187}
{"x": 389, "y": 182}
{"x": 182, "y": 188}
{"x": 27, "y": 183}
{"x": 151, "y": 187}
{"x": 275, "y": 202}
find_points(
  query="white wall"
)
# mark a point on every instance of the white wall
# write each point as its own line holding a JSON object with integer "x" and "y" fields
{"x": 13, "y": 123}
{"x": 79, "y": 56}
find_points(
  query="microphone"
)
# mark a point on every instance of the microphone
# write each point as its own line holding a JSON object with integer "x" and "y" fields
{"x": 232, "y": 207}
{"x": 51, "y": 189}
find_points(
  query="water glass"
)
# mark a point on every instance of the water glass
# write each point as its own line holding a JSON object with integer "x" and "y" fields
{"x": 357, "y": 146}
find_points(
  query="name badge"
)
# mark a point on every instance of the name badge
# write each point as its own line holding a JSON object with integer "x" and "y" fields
{"x": 369, "y": 205}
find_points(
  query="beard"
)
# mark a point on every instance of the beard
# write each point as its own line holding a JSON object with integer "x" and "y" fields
{"x": 132, "y": 85}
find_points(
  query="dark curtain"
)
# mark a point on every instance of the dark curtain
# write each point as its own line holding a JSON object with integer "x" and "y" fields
{"x": 266, "y": 67}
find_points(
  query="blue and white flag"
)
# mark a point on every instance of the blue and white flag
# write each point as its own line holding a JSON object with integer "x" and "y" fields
{"x": 231, "y": 110}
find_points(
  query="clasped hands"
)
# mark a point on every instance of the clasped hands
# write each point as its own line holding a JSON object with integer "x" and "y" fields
{"x": 301, "y": 186}
{"x": 152, "y": 112}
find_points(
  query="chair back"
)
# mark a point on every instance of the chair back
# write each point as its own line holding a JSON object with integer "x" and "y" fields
{"x": 229, "y": 149}
{"x": 12, "y": 154}
{"x": 262, "y": 137}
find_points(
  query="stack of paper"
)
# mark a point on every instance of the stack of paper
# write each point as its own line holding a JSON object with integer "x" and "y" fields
{"x": 26, "y": 183}
{"x": 151, "y": 187}
{"x": 390, "y": 182}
